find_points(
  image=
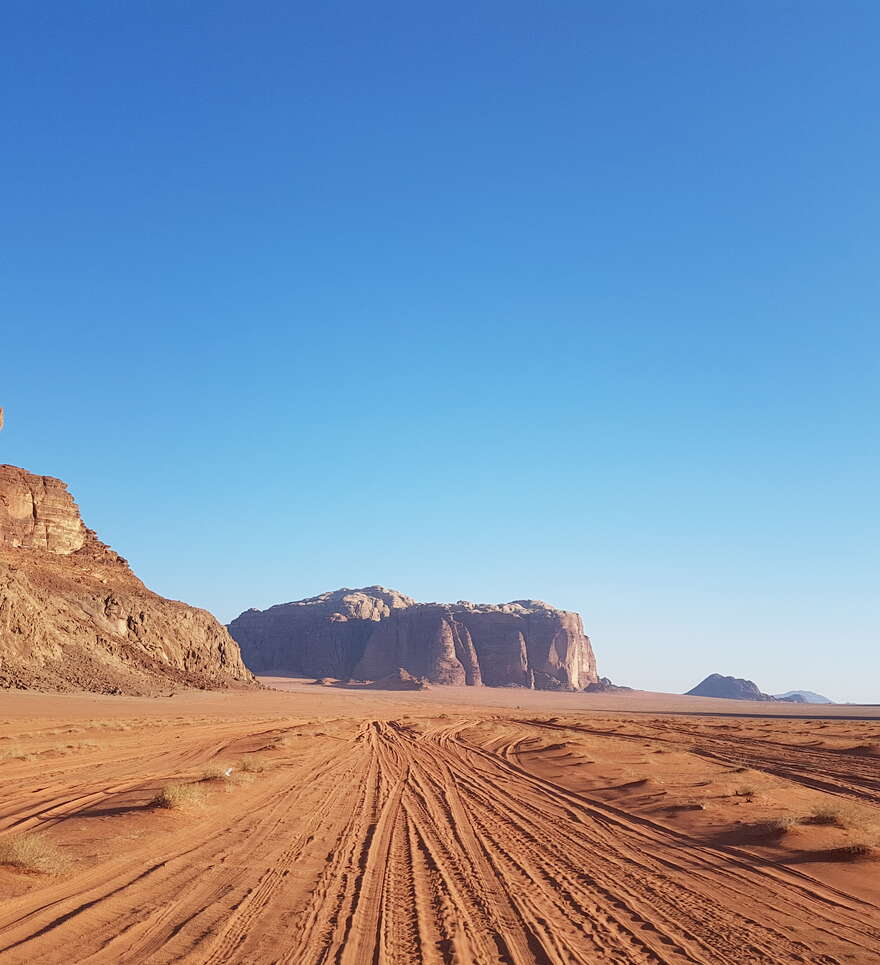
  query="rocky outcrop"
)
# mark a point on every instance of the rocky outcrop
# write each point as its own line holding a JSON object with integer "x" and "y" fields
{"x": 604, "y": 685}
{"x": 733, "y": 688}
{"x": 73, "y": 616}
{"x": 400, "y": 679}
{"x": 369, "y": 633}
{"x": 803, "y": 697}
{"x": 37, "y": 512}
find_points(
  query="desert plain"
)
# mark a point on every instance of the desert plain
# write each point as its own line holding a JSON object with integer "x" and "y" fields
{"x": 307, "y": 824}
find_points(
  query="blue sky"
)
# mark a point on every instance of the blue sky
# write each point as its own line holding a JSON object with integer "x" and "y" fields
{"x": 568, "y": 301}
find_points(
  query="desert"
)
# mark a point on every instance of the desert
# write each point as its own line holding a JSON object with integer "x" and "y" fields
{"x": 439, "y": 516}
{"x": 313, "y": 824}
{"x": 465, "y": 789}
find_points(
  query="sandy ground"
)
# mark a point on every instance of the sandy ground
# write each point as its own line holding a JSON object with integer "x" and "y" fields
{"x": 451, "y": 825}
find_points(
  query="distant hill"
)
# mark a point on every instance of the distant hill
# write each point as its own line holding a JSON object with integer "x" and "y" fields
{"x": 804, "y": 696}
{"x": 733, "y": 688}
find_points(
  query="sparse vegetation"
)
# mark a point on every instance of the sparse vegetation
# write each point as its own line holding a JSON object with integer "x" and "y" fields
{"x": 216, "y": 772}
{"x": 828, "y": 814}
{"x": 850, "y": 852}
{"x": 251, "y": 764}
{"x": 746, "y": 791}
{"x": 178, "y": 797}
{"x": 14, "y": 752}
{"x": 32, "y": 852}
{"x": 778, "y": 826}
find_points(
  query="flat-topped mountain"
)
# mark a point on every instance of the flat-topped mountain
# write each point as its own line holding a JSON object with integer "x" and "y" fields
{"x": 370, "y": 633}
{"x": 73, "y": 616}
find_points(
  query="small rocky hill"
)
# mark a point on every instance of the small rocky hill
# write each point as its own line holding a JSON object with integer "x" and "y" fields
{"x": 733, "y": 688}
{"x": 804, "y": 697}
{"x": 371, "y": 633}
{"x": 73, "y": 616}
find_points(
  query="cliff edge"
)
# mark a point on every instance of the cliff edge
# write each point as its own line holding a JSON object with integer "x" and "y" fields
{"x": 73, "y": 616}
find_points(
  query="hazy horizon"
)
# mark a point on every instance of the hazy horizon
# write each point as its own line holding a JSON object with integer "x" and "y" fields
{"x": 574, "y": 303}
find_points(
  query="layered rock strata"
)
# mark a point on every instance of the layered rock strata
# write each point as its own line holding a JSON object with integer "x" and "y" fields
{"x": 369, "y": 633}
{"x": 73, "y": 616}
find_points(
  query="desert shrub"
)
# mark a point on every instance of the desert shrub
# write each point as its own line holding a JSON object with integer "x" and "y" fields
{"x": 746, "y": 791}
{"x": 216, "y": 772}
{"x": 778, "y": 826}
{"x": 177, "y": 796}
{"x": 828, "y": 814}
{"x": 251, "y": 764}
{"x": 32, "y": 852}
{"x": 850, "y": 852}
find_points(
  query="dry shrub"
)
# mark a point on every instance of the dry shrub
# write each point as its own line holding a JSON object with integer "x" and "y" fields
{"x": 778, "y": 826}
{"x": 832, "y": 815}
{"x": 177, "y": 797}
{"x": 851, "y": 852}
{"x": 216, "y": 772}
{"x": 15, "y": 752}
{"x": 747, "y": 791}
{"x": 81, "y": 746}
{"x": 251, "y": 764}
{"x": 32, "y": 852}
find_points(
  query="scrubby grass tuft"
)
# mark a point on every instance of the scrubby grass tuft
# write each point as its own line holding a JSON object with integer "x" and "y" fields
{"x": 251, "y": 764}
{"x": 829, "y": 815}
{"x": 850, "y": 852}
{"x": 779, "y": 826}
{"x": 177, "y": 796}
{"x": 32, "y": 852}
{"x": 14, "y": 752}
{"x": 216, "y": 772}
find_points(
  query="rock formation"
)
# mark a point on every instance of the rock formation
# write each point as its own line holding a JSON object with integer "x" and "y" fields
{"x": 73, "y": 616}
{"x": 733, "y": 688}
{"x": 803, "y": 697}
{"x": 604, "y": 685}
{"x": 370, "y": 633}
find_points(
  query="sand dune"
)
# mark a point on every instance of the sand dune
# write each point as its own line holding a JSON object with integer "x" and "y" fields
{"x": 406, "y": 827}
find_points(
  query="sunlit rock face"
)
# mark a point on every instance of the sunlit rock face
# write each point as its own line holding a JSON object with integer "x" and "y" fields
{"x": 37, "y": 512}
{"x": 369, "y": 633}
{"x": 73, "y": 616}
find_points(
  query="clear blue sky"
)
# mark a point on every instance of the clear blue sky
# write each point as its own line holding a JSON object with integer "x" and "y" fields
{"x": 571, "y": 301}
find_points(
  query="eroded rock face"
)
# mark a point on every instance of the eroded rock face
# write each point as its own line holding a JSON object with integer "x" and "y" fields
{"x": 73, "y": 616}
{"x": 37, "y": 512}
{"x": 370, "y": 633}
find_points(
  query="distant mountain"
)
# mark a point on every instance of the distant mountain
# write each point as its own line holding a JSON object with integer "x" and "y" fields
{"x": 804, "y": 697}
{"x": 733, "y": 688}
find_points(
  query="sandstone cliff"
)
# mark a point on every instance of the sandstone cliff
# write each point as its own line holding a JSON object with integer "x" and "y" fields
{"x": 73, "y": 616}
{"x": 370, "y": 633}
